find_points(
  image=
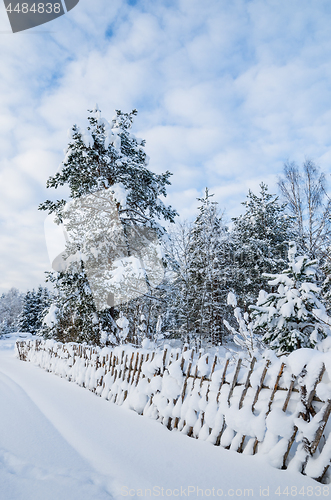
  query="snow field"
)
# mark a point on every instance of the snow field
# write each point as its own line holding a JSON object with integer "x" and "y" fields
{"x": 74, "y": 445}
{"x": 258, "y": 407}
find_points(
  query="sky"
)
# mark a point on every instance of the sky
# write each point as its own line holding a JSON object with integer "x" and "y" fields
{"x": 226, "y": 92}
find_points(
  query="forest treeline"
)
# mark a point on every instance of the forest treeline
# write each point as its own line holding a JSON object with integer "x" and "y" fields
{"x": 130, "y": 270}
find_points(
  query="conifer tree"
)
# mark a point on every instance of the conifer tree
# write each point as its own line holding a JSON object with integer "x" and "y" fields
{"x": 207, "y": 296}
{"x": 260, "y": 238}
{"x": 293, "y": 316}
{"x": 199, "y": 266}
{"x": 112, "y": 215}
{"x": 24, "y": 320}
{"x": 77, "y": 319}
{"x": 35, "y": 305}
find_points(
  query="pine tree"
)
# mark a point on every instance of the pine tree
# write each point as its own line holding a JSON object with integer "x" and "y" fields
{"x": 293, "y": 316}
{"x": 260, "y": 239}
{"x": 112, "y": 217}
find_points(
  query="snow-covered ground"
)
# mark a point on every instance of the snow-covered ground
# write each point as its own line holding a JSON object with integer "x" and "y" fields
{"x": 60, "y": 441}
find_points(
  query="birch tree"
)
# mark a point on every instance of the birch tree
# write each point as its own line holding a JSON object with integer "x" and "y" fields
{"x": 305, "y": 192}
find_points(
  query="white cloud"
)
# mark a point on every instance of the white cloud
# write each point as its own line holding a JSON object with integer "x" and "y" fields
{"x": 226, "y": 92}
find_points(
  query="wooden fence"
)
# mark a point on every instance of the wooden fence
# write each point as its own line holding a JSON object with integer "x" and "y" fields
{"x": 278, "y": 407}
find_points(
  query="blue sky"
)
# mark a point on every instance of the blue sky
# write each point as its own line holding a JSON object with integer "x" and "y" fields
{"x": 226, "y": 92}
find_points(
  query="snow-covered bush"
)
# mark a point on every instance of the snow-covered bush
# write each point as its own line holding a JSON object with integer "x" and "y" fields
{"x": 294, "y": 315}
{"x": 244, "y": 337}
{"x": 123, "y": 327}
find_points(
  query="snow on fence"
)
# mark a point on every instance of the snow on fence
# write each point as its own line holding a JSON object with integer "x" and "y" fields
{"x": 278, "y": 407}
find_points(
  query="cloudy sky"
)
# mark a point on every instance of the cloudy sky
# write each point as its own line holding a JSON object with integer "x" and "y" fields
{"x": 226, "y": 92}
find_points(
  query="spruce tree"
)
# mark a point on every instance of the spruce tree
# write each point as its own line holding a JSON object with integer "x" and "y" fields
{"x": 112, "y": 216}
{"x": 24, "y": 320}
{"x": 294, "y": 315}
{"x": 199, "y": 276}
{"x": 260, "y": 238}
{"x": 207, "y": 297}
{"x": 77, "y": 319}
{"x": 35, "y": 305}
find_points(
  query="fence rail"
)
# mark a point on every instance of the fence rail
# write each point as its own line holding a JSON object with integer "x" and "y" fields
{"x": 279, "y": 407}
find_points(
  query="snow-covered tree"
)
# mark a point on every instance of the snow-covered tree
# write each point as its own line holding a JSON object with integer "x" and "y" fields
{"x": 292, "y": 316}
{"x": 25, "y": 320}
{"x": 196, "y": 275}
{"x": 108, "y": 156}
{"x": 111, "y": 220}
{"x": 72, "y": 316}
{"x": 35, "y": 305}
{"x": 178, "y": 315}
{"x": 10, "y": 309}
{"x": 260, "y": 239}
{"x": 199, "y": 275}
{"x": 326, "y": 284}
{"x": 305, "y": 192}
{"x": 207, "y": 297}
{"x": 244, "y": 335}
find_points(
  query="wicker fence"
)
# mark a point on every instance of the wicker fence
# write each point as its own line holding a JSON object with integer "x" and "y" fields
{"x": 278, "y": 407}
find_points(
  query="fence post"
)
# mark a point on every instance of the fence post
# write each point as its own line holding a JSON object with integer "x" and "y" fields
{"x": 243, "y": 395}
{"x": 270, "y": 401}
{"x": 182, "y": 396}
{"x": 235, "y": 377}
{"x": 135, "y": 367}
{"x": 139, "y": 370}
{"x": 306, "y": 401}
